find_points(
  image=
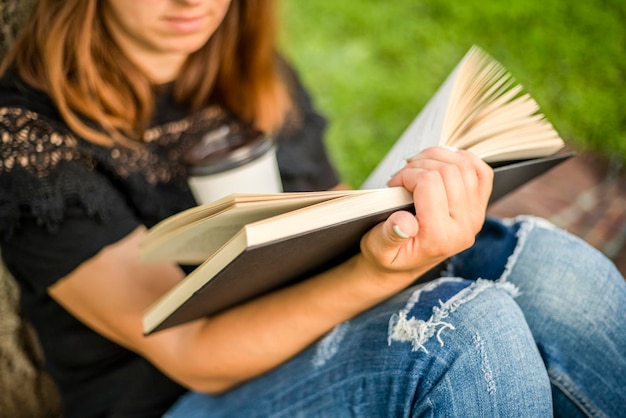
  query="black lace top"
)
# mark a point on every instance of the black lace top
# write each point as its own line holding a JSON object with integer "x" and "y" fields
{"x": 63, "y": 198}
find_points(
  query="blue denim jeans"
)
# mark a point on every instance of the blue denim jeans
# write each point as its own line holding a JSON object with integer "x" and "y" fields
{"x": 529, "y": 322}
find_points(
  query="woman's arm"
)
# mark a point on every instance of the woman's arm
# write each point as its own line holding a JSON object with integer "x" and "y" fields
{"x": 111, "y": 291}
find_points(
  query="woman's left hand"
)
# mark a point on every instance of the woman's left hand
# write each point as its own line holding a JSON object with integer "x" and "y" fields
{"x": 451, "y": 191}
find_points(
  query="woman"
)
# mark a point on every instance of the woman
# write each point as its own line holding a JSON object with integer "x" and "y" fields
{"x": 99, "y": 100}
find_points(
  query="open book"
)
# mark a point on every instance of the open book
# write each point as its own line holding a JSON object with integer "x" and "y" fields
{"x": 249, "y": 244}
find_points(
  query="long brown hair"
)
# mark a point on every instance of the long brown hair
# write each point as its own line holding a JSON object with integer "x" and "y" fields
{"x": 66, "y": 51}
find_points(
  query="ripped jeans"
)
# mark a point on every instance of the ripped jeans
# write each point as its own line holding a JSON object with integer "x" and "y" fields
{"x": 529, "y": 322}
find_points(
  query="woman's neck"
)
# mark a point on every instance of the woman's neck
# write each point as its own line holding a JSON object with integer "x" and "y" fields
{"x": 161, "y": 69}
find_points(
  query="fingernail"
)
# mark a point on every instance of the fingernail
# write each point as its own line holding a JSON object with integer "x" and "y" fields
{"x": 407, "y": 157}
{"x": 399, "y": 232}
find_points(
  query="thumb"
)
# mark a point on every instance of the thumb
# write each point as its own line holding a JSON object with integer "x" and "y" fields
{"x": 384, "y": 240}
{"x": 399, "y": 227}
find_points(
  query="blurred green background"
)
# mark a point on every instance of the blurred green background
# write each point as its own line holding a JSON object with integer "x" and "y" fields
{"x": 372, "y": 65}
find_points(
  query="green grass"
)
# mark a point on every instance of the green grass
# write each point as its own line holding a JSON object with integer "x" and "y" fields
{"x": 372, "y": 65}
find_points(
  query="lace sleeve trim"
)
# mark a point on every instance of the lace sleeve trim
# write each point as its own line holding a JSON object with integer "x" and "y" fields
{"x": 38, "y": 145}
{"x": 43, "y": 166}
{"x": 32, "y": 144}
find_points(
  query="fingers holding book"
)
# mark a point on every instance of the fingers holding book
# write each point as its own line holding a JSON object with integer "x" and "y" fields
{"x": 457, "y": 182}
{"x": 451, "y": 190}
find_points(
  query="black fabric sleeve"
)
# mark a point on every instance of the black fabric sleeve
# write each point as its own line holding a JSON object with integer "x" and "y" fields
{"x": 58, "y": 205}
{"x": 39, "y": 257}
{"x": 302, "y": 156}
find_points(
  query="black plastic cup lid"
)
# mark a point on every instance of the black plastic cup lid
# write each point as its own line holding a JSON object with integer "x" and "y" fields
{"x": 222, "y": 150}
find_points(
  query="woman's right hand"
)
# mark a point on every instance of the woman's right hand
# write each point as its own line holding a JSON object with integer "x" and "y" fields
{"x": 451, "y": 191}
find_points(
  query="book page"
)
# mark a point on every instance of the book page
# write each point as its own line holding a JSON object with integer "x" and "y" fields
{"x": 197, "y": 213}
{"x": 328, "y": 213}
{"x": 206, "y": 229}
{"x": 479, "y": 108}
{"x": 493, "y": 117}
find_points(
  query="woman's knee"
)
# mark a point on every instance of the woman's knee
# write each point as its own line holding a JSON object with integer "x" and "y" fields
{"x": 474, "y": 350}
{"x": 572, "y": 297}
{"x": 555, "y": 271}
{"x": 563, "y": 279}
{"x": 545, "y": 251}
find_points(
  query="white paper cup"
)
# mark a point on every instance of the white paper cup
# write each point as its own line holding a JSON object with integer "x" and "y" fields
{"x": 226, "y": 162}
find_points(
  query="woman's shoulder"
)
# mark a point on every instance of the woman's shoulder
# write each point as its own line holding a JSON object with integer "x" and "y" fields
{"x": 44, "y": 164}
{"x": 33, "y": 132}
{"x": 34, "y": 137}
{"x": 15, "y": 93}
{"x": 42, "y": 168}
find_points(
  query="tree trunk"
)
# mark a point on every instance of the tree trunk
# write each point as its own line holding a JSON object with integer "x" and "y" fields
{"x": 12, "y": 16}
{"x": 25, "y": 388}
